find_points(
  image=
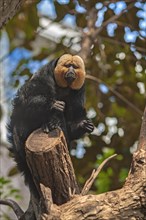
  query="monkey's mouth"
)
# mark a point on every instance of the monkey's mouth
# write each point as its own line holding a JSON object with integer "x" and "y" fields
{"x": 70, "y": 76}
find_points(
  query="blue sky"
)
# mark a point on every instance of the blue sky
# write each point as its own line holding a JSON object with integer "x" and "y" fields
{"x": 46, "y": 7}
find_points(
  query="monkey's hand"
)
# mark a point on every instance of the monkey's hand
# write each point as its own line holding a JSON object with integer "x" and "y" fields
{"x": 51, "y": 125}
{"x": 87, "y": 125}
{"x": 59, "y": 105}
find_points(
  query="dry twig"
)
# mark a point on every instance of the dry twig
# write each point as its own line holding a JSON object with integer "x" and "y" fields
{"x": 94, "y": 175}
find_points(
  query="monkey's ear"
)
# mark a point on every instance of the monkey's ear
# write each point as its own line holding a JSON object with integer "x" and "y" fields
{"x": 53, "y": 63}
{"x": 56, "y": 61}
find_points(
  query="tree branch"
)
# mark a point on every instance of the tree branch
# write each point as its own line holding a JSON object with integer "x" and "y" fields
{"x": 114, "y": 41}
{"x": 139, "y": 157}
{"x": 86, "y": 42}
{"x": 121, "y": 97}
{"x": 112, "y": 19}
{"x": 8, "y": 9}
{"x": 94, "y": 175}
{"x": 142, "y": 138}
{"x": 16, "y": 208}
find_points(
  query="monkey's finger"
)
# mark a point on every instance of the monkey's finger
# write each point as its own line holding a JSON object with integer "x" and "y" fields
{"x": 90, "y": 126}
{"x": 83, "y": 123}
{"x": 90, "y": 129}
{"x": 60, "y": 102}
{"x": 45, "y": 128}
{"x": 88, "y": 122}
{"x": 59, "y": 105}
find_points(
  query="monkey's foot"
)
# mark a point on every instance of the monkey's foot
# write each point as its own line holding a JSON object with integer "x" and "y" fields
{"x": 45, "y": 128}
{"x": 48, "y": 127}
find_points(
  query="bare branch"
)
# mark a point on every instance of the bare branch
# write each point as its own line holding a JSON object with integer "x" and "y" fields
{"x": 112, "y": 19}
{"x": 86, "y": 37}
{"x": 114, "y": 41}
{"x": 130, "y": 104}
{"x": 130, "y": 26}
{"x": 16, "y": 208}
{"x": 94, "y": 175}
{"x": 106, "y": 3}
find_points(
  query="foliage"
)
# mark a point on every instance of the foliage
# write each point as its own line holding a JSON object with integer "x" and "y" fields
{"x": 114, "y": 53}
{"x": 7, "y": 191}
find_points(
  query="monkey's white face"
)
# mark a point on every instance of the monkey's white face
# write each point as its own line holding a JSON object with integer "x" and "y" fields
{"x": 70, "y": 72}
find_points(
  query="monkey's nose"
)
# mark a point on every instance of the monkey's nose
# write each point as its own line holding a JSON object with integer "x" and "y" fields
{"x": 70, "y": 76}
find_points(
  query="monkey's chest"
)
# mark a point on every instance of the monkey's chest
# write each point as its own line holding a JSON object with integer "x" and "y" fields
{"x": 67, "y": 96}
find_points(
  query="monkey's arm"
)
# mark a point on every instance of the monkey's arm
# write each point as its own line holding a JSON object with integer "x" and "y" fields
{"x": 39, "y": 96}
{"x": 78, "y": 124}
{"x": 36, "y": 106}
{"x": 39, "y": 102}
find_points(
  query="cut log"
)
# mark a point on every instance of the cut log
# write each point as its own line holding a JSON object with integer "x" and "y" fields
{"x": 50, "y": 164}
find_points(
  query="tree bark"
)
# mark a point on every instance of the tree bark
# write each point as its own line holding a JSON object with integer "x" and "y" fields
{"x": 8, "y": 8}
{"x": 49, "y": 160}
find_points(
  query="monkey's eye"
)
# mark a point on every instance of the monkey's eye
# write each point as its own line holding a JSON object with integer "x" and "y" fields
{"x": 71, "y": 65}
{"x": 74, "y": 66}
{"x": 68, "y": 65}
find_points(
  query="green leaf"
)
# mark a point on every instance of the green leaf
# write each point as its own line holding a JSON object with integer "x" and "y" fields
{"x": 13, "y": 171}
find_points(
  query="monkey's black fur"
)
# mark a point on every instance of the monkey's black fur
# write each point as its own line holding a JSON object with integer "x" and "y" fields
{"x": 41, "y": 102}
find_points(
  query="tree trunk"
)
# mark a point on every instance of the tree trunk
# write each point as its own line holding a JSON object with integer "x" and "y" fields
{"x": 8, "y": 8}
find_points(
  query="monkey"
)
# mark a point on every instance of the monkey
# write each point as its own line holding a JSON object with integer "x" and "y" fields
{"x": 53, "y": 98}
